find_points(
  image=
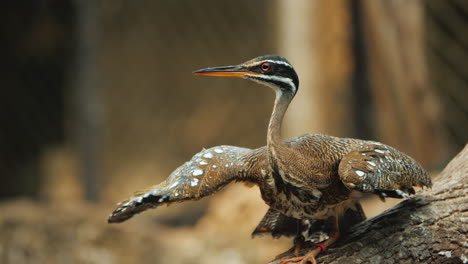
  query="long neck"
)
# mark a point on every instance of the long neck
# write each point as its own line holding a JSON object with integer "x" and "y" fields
{"x": 274, "y": 142}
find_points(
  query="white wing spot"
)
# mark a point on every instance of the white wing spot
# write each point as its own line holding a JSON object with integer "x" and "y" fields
{"x": 218, "y": 150}
{"x": 360, "y": 173}
{"x": 194, "y": 182}
{"x": 208, "y": 155}
{"x": 203, "y": 162}
{"x": 316, "y": 193}
{"x": 281, "y": 172}
{"x": 227, "y": 165}
{"x": 176, "y": 194}
{"x": 174, "y": 184}
{"x": 214, "y": 166}
{"x": 401, "y": 193}
{"x": 197, "y": 172}
{"x": 371, "y": 163}
{"x": 379, "y": 151}
{"x": 448, "y": 254}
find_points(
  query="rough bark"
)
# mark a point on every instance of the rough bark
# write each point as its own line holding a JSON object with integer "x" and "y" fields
{"x": 430, "y": 227}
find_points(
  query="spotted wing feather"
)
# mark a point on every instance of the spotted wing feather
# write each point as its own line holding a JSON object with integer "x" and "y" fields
{"x": 206, "y": 173}
{"x": 377, "y": 168}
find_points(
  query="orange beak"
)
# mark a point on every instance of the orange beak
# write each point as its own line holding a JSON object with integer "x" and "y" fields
{"x": 226, "y": 71}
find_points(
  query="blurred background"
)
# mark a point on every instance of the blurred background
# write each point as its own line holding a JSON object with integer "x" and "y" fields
{"x": 98, "y": 101}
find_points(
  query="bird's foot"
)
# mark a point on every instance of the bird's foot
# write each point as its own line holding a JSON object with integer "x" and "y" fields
{"x": 288, "y": 252}
{"x": 307, "y": 258}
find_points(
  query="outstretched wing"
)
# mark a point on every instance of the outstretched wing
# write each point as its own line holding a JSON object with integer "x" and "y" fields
{"x": 377, "y": 168}
{"x": 206, "y": 173}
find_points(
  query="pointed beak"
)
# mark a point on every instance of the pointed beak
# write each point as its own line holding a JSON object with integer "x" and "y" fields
{"x": 226, "y": 71}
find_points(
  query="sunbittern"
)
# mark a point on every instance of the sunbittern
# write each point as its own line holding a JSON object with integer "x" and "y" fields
{"x": 304, "y": 179}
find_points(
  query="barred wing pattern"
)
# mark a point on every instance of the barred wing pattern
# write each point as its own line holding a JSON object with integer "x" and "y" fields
{"x": 377, "y": 168}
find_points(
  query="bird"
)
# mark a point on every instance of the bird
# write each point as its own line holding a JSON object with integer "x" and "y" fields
{"x": 309, "y": 182}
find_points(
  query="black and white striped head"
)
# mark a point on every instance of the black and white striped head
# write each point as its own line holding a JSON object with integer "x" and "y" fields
{"x": 271, "y": 70}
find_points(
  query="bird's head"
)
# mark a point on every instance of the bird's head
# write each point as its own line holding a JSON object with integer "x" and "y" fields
{"x": 270, "y": 70}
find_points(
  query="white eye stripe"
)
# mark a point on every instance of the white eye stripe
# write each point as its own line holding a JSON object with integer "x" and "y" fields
{"x": 270, "y": 61}
{"x": 286, "y": 80}
{"x": 279, "y": 62}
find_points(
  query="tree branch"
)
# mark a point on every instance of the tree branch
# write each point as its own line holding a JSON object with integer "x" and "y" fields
{"x": 430, "y": 227}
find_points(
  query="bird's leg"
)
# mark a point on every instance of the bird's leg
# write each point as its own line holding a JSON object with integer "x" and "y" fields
{"x": 309, "y": 257}
{"x": 299, "y": 244}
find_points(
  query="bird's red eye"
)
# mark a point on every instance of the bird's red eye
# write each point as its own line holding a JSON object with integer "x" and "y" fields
{"x": 266, "y": 66}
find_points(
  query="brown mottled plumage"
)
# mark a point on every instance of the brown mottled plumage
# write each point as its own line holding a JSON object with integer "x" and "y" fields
{"x": 304, "y": 179}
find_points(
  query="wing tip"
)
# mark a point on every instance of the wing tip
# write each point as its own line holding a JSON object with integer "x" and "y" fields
{"x": 126, "y": 210}
{"x": 117, "y": 218}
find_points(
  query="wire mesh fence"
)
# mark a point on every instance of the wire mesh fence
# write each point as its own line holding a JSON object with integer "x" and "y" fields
{"x": 155, "y": 108}
{"x": 153, "y": 114}
{"x": 447, "y": 42}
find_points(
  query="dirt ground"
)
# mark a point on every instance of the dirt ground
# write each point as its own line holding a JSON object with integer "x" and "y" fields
{"x": 33, "y": 232}
{"x": 38, "y": 233}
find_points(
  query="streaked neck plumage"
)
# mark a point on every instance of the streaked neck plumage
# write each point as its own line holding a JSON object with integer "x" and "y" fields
{"x": 274, "y": 142}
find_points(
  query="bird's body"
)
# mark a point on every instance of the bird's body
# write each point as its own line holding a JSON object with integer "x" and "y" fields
{"x": 320, "y": 175}
{"x": 303, "y": 179}
{"x": 307, "y": 189}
